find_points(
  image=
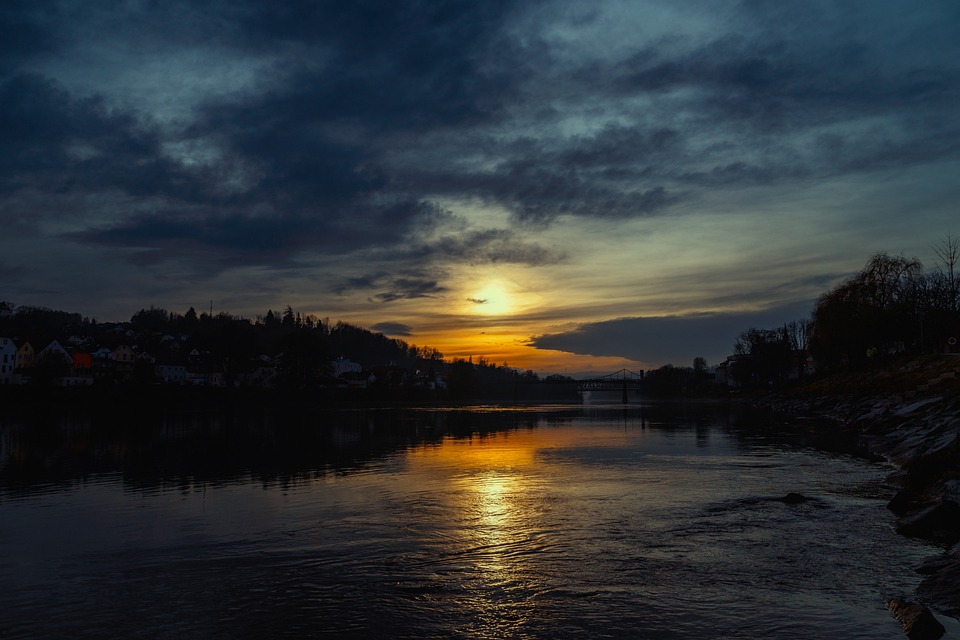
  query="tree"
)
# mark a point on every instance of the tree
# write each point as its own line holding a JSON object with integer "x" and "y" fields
{"x": 875, "y": 312}
{"x": 288, "y": 322}
{"x": 941, "y": 315}
{"x": 948, "y": 263}
{"x": 302, "y": 360}
{"x": 765, "y": 356}
{"x": 797, "y": 335}
{"x": 700, "y": 375}
{"x": 699, "y": 365}
{"x": 152, "y": 319}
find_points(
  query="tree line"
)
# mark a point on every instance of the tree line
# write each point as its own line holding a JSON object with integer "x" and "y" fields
{"x": 891, "y": 307}
{"x": 300, "y": 347}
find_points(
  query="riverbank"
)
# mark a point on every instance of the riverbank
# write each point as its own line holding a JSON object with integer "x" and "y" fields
{"x": 909, "y": 413}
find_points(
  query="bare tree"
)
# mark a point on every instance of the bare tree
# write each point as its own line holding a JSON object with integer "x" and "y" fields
{"x": 948, "y": 264}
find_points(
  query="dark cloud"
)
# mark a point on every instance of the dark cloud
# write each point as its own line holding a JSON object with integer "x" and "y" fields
{"x": 538, "y": 193}
{"x": 235, "y": 239}
{"x": 410, "y": 288}
{"x": 392, "y": 65}
{"x": 350, "y": 78}
{"x": 25, "y": 33}
{"x": 675, "y": 339}
{"x": 285, "y": 177}
{"x": 485, "y": 246}
{"x": 9, "y": 271}
{"x": 61, "y": 143}
{"x": 393, "y": 329}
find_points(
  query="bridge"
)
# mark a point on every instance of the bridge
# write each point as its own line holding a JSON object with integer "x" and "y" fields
{"x": 621, "y": 380}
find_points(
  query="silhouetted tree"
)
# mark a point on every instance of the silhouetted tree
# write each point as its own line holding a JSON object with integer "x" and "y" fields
{"x": 668, "y": 381}
{"x": 940, "y": 319}
{"x": 873, "y": 313}
{"x": 303, "y": 357}
{"x": 765, "y": 358}
{"x": 152, "y": 319}
{"x": 190, "y": 318}
{"x": 288, "y": 322}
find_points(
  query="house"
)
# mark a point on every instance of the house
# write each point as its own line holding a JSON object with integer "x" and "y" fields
{"x": 26, "y": 357}
{"x": 82, "y": 364}
{"x": 124, "y": 358}
{"x": 55, "y": 351}
{"x": 262, "y": 376}
{"x": 8, "y": 360}
{"x": 387, "y": 377}
{"x": 725, "y": 372}
{"x": 171, "y": 373}
{"x": 102, "y": 364}
{"x": 214, "y": 378}
{"x": 81, "y": 372}
{"x": 342, "y": 365}
{"x": 53, "y": 364}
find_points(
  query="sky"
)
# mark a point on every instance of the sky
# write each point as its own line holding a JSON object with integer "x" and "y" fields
{"x": 564, "y": 186}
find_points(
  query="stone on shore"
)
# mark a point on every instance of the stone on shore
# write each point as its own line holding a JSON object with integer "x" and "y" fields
{"x": 904, "y": 501}
{"x": 793, "y": 498}
{"x": 940, "y": 584}
{"x": 939, "y": 521}
{"x": 917, "y": 621}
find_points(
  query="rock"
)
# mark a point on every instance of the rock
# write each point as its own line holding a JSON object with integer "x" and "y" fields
{"x": 941, "y": 582}
{"x": 793, "y": 498}
{"x": 917, "y": 621}
{"x": 951, "y": 490}
{"x": 940, "y": 521}
{"x": 903, "y": 502}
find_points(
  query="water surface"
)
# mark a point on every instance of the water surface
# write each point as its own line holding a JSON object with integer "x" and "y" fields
{"x": 644, "y": 522}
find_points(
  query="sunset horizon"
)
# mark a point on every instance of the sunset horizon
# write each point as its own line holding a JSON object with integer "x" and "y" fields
{"x": 562, "y": 188}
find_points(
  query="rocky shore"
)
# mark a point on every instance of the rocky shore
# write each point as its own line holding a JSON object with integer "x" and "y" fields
{"x": 909, "y": 413}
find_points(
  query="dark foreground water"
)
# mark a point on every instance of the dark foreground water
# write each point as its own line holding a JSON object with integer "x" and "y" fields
{"x": 645, "y": 522}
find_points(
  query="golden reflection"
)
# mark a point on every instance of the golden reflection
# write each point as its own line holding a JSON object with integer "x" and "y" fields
{"x": 495, "y": 515}
{"x": 495, "y": 526}
{"x": 499, "y": 519}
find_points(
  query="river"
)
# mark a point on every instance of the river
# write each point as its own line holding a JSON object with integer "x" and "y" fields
{"x": 646, "y": 521}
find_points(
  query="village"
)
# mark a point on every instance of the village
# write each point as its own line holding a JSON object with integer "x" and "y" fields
{"x": 74, "y": 352}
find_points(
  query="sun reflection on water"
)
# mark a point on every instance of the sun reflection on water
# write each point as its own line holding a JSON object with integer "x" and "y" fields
{"x": 496, "y": 533}
{"x": 502, "y": 550}
{"x": 492, "y": 510}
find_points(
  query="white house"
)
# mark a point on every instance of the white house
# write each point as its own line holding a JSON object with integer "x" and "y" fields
{"x": 342, "y": 365}
{"x": 55, "y": 350}
{"x": 8, "y": 360}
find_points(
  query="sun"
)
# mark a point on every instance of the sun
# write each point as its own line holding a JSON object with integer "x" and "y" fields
{"x": 492, "y": 299}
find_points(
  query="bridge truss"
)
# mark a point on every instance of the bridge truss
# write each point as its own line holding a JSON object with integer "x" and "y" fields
{"x": 624, "y": 380}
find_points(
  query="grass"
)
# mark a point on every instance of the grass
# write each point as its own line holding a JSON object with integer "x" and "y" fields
{"x": 895, "y": 377}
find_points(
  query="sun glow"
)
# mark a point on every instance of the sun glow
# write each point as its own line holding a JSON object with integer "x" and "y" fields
{"x": 495, "y": 298}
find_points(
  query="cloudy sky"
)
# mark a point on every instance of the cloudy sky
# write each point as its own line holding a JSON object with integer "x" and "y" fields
{"x": 562, "y": 185}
